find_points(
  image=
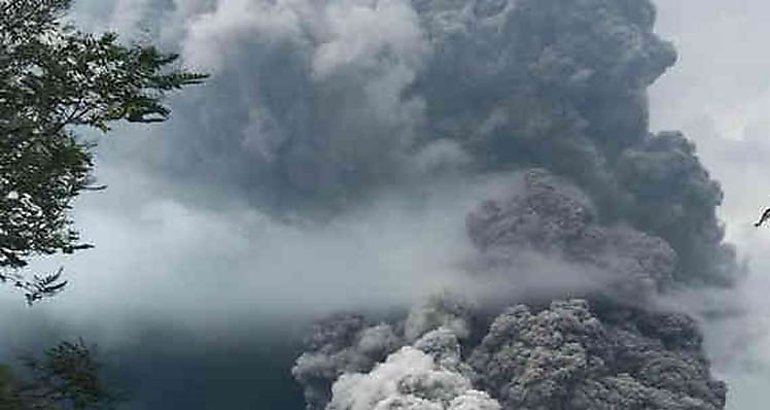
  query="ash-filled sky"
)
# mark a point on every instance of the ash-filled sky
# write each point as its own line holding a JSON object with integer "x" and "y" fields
{"x": 179, "y": 254}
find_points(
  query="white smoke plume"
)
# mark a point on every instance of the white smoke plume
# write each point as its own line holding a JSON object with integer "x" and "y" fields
{"x": 426, "y": 376}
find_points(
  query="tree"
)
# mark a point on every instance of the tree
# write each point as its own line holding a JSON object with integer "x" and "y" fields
{"x": 66, "y": 377}
{"x": 9, "y": 398}
{"x": 54, "y": 80}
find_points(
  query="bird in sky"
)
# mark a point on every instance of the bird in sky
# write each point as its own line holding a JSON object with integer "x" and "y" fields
{"x": 765, "y": 217}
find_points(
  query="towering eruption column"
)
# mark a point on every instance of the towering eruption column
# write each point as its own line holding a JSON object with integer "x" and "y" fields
{"x": 552, "y": 92}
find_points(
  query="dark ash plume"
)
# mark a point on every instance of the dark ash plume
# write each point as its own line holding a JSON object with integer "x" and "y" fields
{"x": 318, "y": 107}
{"x": 551, "y": 218}
{"x": 568, "y": 357}
{"x": 310, "y": 111}
{"x": 560, "y": 86}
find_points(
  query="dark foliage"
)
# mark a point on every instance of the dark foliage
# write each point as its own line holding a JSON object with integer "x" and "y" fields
{"x": 64, "y": 377}
{"x": 53, "y": 79}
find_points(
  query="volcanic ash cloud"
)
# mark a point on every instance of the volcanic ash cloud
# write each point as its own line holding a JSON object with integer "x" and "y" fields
{"x": 316, "y": 110}
{"x": 601, "y": 219}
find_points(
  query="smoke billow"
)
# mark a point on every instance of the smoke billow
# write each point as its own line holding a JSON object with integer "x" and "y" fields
{"x": 428, "y": 376}
{"x": 315, "y": 105}
{"x": 562, "y": 86}
{"x": 566, "y": 356}
{"x": 346, "y": 344}
{"x": 365, "y": 154}
{"x": 553, "y": 219}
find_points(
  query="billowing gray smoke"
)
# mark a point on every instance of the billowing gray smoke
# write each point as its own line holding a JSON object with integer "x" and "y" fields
{"x": 618, "y": 351}
{"x": 315, "y": 108}
{"x": 316, "y": 104}
{"x": 551, "y": 218}
{"x": 559, "y": 86}
{"x": 347, "y": 344}
{"x": 427, "y": 376}
{"x": 566, "y": 357}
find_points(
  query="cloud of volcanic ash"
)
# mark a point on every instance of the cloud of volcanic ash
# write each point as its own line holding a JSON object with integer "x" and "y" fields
{"x": 340, "y": 145}
{"x": 366, "y": 154}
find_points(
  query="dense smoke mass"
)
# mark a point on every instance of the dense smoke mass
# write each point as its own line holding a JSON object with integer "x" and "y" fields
{"x": 550, "y": 218}
{"x": 428, "y": 376}
{"x": 348, "y": 344}
{"x": 561, "y": 86}
{"x": 315, "y": 105}
{"x": 566, "y": 357}
{"x": 503, "y": 145}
